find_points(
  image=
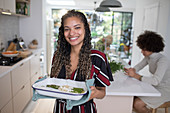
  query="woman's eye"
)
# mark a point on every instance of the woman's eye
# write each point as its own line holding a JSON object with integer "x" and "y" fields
{"x": 66, "y": 29}
{"x": 77, "y": 28}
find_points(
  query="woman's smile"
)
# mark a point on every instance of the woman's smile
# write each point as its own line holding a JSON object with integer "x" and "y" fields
{"x": 74, "y": 38}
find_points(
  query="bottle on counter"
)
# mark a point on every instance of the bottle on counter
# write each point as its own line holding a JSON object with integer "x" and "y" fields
{"x": 25, "y": 9}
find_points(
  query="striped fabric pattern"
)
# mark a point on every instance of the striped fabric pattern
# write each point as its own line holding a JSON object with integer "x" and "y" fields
{"x": 100, "y": 72}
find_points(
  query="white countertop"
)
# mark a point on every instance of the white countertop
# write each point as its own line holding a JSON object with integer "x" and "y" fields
{"x": 126, "y": 86}
{"x": 5, "y": 69}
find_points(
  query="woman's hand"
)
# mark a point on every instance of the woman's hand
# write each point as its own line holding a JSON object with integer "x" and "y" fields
{"x": 130, "y": 72}
{"x": 97, "y": 92}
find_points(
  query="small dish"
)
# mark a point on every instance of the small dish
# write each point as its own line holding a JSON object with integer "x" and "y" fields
{"x": 42, "y": 89}
{"x": 10, "y": 53}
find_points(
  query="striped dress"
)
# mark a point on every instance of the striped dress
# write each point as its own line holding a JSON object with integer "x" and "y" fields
{"x": 100, "y": 70}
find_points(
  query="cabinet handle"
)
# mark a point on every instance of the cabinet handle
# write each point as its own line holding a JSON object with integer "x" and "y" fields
{"x": 22, "y": 64}
{"x": 35, "y": 54}
{"x": 22, "y": 87}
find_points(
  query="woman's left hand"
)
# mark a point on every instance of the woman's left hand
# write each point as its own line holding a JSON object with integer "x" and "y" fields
{"x": 97, "y": 92}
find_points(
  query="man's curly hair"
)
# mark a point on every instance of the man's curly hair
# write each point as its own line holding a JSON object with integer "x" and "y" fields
{"x": 62, "y": 54}
{"x": 150, "y": 41}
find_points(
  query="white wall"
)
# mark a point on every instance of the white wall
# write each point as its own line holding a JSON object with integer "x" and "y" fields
{"x": 34, "y": 27}
{"x": 167, "y": 40}
{"x": 163, "y": 25}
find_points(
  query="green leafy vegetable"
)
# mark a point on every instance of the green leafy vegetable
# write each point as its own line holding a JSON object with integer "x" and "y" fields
{"x": 53, "y": 86}
{"x": 77, "y": 90}
{"x": 115, "y": 66}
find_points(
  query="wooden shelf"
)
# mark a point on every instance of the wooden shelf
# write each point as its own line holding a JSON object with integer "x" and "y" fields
{"x": 14, "y": 14}
{"x": 20, "y": 4}
{"x": 20, "y": 15}
{"x": 23, "y": 1}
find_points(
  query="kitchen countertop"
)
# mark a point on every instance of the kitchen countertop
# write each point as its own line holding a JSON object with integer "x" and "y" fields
{"x": 126, "y": 86}
{"x": 5, "y": 69}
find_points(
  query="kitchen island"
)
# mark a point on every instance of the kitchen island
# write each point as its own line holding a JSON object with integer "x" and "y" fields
{"x": 120, "y": 94}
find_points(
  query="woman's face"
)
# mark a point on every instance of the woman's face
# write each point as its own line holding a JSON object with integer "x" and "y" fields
{"x": 146, "y": 53}
{"x": 74, "y": 31}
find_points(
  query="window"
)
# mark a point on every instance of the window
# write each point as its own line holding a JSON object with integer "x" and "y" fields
{"x": 116, "y": 26}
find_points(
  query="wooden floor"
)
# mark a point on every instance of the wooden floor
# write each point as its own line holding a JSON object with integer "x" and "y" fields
{"x": 46, "y": 106}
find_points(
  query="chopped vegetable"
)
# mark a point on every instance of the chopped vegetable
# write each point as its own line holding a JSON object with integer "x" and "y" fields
{"x": 67, "y": 88}
{"x": 53, "y": 86}
{"x": 77, "y": 90}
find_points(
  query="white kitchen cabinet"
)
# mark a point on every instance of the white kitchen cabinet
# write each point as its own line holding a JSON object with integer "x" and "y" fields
{"x": 22, "y": 98}
{"x": 20, "y": 76}
{"x": 15, "y": 84}
{"x": 33, "y": 79}
{"x": 35, "y": 64}
{"x": 8, "y": 108}
{"x": 1, "y": 4}
{"x": 34, "y": 69}
{"x": 8, "y": 5}
{"x": 5, "y": 90}
{"x": 21, "y": 86}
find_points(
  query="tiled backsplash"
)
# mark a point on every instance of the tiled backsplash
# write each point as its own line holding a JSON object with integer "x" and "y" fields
{"x": 9, "y": 27}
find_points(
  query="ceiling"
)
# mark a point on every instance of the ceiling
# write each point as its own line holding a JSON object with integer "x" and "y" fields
{"x": 89, "y": 4}
{"x": 127, "y": 5}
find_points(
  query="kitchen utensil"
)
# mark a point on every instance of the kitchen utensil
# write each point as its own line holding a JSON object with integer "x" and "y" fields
{"x": 11, "y": 47}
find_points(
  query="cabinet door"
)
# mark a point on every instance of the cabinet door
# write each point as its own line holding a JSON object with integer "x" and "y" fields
{"x": 35, "y": 64}
{"x": 9, "y": 5}
{"x": 1, "y": 4}
{"x": 7, "y": 108}
{"x": 33, "y": 79}
{"x": 5, "y": 90}
{"x": 20, "y": 75}
{"x": 22, "y": 98}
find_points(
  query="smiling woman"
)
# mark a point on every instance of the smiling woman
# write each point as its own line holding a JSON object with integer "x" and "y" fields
{"x": 74, "y": 59}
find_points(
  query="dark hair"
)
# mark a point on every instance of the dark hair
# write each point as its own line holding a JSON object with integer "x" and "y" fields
{"x": 62, "y": 54}
{"x": 150, "y": 41}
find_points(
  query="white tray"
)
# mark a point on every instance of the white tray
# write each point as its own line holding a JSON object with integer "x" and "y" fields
{"x": 41, "y": 88}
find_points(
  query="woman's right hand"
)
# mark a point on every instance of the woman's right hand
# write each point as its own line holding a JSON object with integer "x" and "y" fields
{"x": 130, "y": 72}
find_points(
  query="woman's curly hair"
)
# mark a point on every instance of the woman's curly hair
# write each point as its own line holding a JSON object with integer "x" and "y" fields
{"x": 150, "y": 41}
{"x": 62, "y": 54}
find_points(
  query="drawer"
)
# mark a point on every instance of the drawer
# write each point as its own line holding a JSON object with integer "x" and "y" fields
{"x": 22, "y": 98}
{"x": 33, "y": 79}
{"x": 20, "y": 75}
{"x": 8, "y": 108}
{"x": 35, "y": 64}
{"x": 5, "y": 90}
